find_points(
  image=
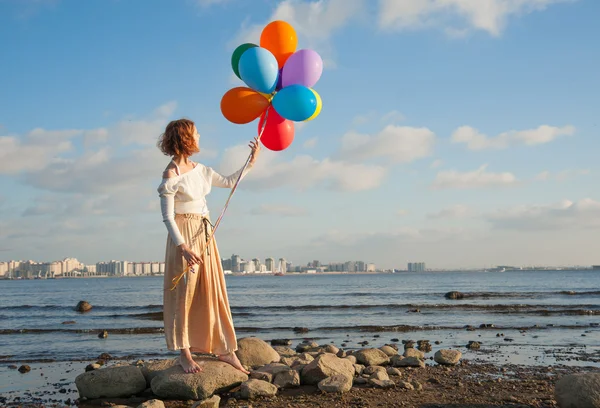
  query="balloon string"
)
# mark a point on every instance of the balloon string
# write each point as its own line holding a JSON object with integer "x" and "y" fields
{"x": 176, "y": 279}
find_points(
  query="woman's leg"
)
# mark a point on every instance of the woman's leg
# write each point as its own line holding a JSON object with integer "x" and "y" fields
{"x": 232, "y": 359}
{"x": 187, "y": 362}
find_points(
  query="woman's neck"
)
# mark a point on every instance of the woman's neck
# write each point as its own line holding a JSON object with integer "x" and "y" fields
{"x": 181, "y": 160}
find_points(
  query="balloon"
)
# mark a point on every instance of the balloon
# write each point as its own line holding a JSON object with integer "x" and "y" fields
{"x": 258, "y": 69}
{"x": 304, "y": 67}
{"x": 279, "y": 79}
{"x": 319, "y": 105}
{"x": 295, "y": 102}
{"x": 280, "y": 38}
{"x": 243, "y": 105}
{"x": 237, "y": 54}
{"x": 278, "y": 133}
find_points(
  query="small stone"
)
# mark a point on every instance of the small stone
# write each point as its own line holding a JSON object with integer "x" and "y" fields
{"x": 352, "y": 358}
{"x": 389, "y": 351}
{"x": 301, "y": 330}
{"x": 281, "y": 342}
{"x": 83, "y": 306}
{"x": 447, "y": 357}
{"x": 341, "y": 354}
{"x": 395, "y": 340}
{"x": 474, "y": 345}
{"x": 330, "y": 348}
{"x": 454, "y": 295}
{"x": 380, "y": 375}
{"x": 393, "y": 371}
{"x": 358, "y": 369}
{"x": 261, "y": 375}
{"x": 24, "y": 369}
{"x": 153, "y": 403}
{"x": 416, "y": 385}
{"x": 360, "y": 381}
{"x": 382, "y": 383}
{"x": 287, "y": 379}
{"x": 212, "y": 402}
{"x": 336, "y": 383}
{"x": 13, "y": 367}
{"x": 411, "y": 352}
{"x": 69, "y": 322}
{"x": 256, "y": 388}
{"x": 408, "y": 362}
{"x": 405, "y": 385}
{"x": 103, "y": 334}
{"x": 92, "y": 367}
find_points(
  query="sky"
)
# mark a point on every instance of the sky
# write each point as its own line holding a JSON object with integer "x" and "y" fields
{"x": 460, "y": 133}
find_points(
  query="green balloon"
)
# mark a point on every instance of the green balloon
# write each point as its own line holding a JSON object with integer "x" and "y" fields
{"x": 237, "y": 54}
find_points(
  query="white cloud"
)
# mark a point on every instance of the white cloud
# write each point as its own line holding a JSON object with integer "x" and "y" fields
{"x": 560, "y": 176}
{"x": 401, "y": 144}
{"x": 283, "y": 210}
{"x": 564, "y": 215}
{"x": 456, "y": 211}
{"x": 144, "y": 131}
{"x": 302, "y": 172}
{"x": 310, "y": 143}
{"x": 479, "y": 141}
{"x": 479, "y": 178}
{"x": 456, "y": 16}
{"x": 314, "y": 21}
{"x": 392, "y": 117}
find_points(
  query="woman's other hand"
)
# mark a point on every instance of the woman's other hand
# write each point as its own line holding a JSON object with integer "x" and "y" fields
{"x": 190, "y": 256}
{"x": 255, "y": 146}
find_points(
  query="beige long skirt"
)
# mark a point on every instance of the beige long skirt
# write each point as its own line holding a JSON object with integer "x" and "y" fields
{"x": 196, "y": 313}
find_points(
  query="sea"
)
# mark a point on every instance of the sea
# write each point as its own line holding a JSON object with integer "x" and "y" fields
{"x": 518, "y": 317}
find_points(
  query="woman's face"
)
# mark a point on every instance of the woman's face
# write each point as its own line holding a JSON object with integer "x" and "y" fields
{"x": 197, "y": 137}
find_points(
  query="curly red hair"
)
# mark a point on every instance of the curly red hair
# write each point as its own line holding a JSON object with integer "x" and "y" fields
{"x": 178, "y": 139}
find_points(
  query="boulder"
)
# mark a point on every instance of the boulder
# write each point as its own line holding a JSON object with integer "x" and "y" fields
{"x": 287, "y": 379}
{"x": 578, "y": 391}
{"x": 153, "y": 403}
{"x": 215, "y": 377}
{"x": 284, "y": 351}
{"x": 405, "y": 385}
{"x": 113, "y": 382}
{"x": 212, "y": 402}
{"x": 409, "y": 362}
{"x": 393, "y": 371}
{"x": 273, "y": 368}
{"x": 382, "y": 383}
{"x": 83, "y": 306}
{"x": 257, "y": 388}
{"x": 24, "y": 369}
{"x": 474, "y": 345}
{"x": 254, "y": 352}
{"x": 324, "y": 366}
{"x": 336, "y": 383}
{"x": 351, "y": 358}
{"x": 151, "y": 368}
{"x": 379, "y": 375}
{"x": 259, "y": 375}
{"x": 447, "y": 357}
{"x": 371, "y": 357}
{"x": 389, "y": 351}
{"x": 358, "y": 368}
{"x": 412, "y": 352}
{"x": 330, "y": 348}
{"x": 360, "y": 381}
{"x": 373, "y": 369}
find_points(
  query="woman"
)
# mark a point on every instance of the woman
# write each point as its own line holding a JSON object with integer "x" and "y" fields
{"x": 196, "y": 312}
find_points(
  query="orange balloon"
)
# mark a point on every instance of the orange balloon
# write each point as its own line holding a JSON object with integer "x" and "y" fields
{"x": 280, "y": 38}
{"x": 242, "y": 105}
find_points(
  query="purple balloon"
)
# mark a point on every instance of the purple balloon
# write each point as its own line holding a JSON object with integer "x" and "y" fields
{"x": 304, "y": 67}
{"x": 279, "y": 80}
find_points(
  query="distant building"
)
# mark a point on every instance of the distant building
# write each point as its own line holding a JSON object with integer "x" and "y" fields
{"x": 270, "y": 264}
{"x": 371, "y": 267}
{"x": 596, "y": 267}
{"x": 235, "y": 263}
{"x": 416, "y": 266}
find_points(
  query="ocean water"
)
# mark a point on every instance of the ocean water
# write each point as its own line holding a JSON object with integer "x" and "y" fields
{"x": 529, "y": 317}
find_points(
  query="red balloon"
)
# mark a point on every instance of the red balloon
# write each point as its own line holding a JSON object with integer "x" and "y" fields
{"x": 278, "y": 133}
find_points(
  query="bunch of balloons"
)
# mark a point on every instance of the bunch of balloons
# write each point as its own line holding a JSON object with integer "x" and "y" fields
{"x": 279, "y": 83}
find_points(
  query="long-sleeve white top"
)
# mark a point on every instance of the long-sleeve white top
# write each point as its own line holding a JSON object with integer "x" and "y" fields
{"x": 186, "y": 194}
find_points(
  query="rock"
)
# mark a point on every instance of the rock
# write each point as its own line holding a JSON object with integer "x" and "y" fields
{"x": 394, "y": 361}
{"x": 371, "y": 356}
{"x": 578, "y": 391}
{"x": 69, "y": 322}
{"x": 341, "y": 354}
{"x": 273, "y": 368}
{"x": 151, "y": 369}
{"x": 288, "y": 361}
{"x": 393, "y": 371}
{"x": 409, "y": 362}
{"x": 336, "y": 383}
{"x": 324, "y": 366}
{"x": 216, "y": 377}
{"x": 104, "y": 356}
{"x": 424, "y": 346}
{"x": 382, "y": 383}
{"x": 281, "y": 342}
{"x": 257, "y": 388}
{"x": 263, "y": 376}
{"x": 83, "y": 306}
{"x": 379, "y": 375}
{"x": 454, "y": 295}
{"x": 373, "y": 369}
{"x": 389, "y": 351}
{"x": 287, "y": 379}
{"x": 113, "y": 382}
{"x": 395, "y": 340}
{"x": 92, "y": 367}
{"x": 358, "y": 368}
{"x": 254, "y": 352}
{"x": 330, "y": 348}
{"x": 301, "y": 330}
{"x": 416, "y": 385}
{"x": 408, "y": 344}
{"x": 474, "y": 345}
{"x": 13, "y": 367}
{"x": 153, "y": 403}
{"x": 351, "y": 358}
{"x": 284, "y": 351}
{"x": 405, "y": 385}
{"x": 24, "y": 369}
{"x": 212, "y": 402}
{"x": 360, "y": 380}
{"x": 447, "y": 357}
{"x": 411, "y": 352}
{"x": 103, "y": 334}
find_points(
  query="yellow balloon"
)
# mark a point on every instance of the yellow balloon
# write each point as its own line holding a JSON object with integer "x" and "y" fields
{"x": 319, "y": 105}
{"x": 266, "y": 95}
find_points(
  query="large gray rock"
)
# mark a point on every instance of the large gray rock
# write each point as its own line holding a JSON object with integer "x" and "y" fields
{"x": 273, "y": 368}
{"x": 389, "y": 351}
{"x": 254, "y": 352}
{"x": 379, "y": 375}
{"x": 578, "y": 391}
{"x": 112, "y": 382}
{"x": 261, "y": 375}
{"x": 447, "y": 357}
{"x": 351, "y": 358}
{"x": 287, "y": 379}
{"x": 212, "y": 402}
{"x": 216, "y": 376}
{"x": 284, "y": 351}
{"x": 371, "y": 357}
{"x": 336, "y": 383}
{"x": 326, "y": 365}
{"x": 153, "y": 403}
{"x": 152, "y": 368}
{"x": 257, "y": 388}
{"x": 412, "y": 352}
{"x": 409, "y": 362}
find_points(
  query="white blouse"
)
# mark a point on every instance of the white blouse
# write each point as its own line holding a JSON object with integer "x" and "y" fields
{"x": 186, "y": 194}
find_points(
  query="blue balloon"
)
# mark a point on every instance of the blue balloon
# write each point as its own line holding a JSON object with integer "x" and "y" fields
{"x": 295, "y": 102}
{"x": 258, "y": 69}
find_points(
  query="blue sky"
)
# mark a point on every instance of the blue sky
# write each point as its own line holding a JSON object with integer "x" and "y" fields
{"x": 460, "y": 133}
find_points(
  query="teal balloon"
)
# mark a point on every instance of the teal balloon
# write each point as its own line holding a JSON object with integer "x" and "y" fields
{"x": 237, "y": 54}
{"x": 295, "y": 102}
{"x": 259, "y": 69}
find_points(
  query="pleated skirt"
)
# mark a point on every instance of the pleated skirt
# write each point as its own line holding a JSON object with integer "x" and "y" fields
{"x": 197, "y": 313}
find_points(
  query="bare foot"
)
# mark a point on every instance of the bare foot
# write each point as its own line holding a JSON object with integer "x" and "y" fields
{"x": 232, "y": 359}
{"x": 188, "y": 364}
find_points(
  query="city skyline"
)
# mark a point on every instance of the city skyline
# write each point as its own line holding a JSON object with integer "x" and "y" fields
{"x": 459, "y": 133}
